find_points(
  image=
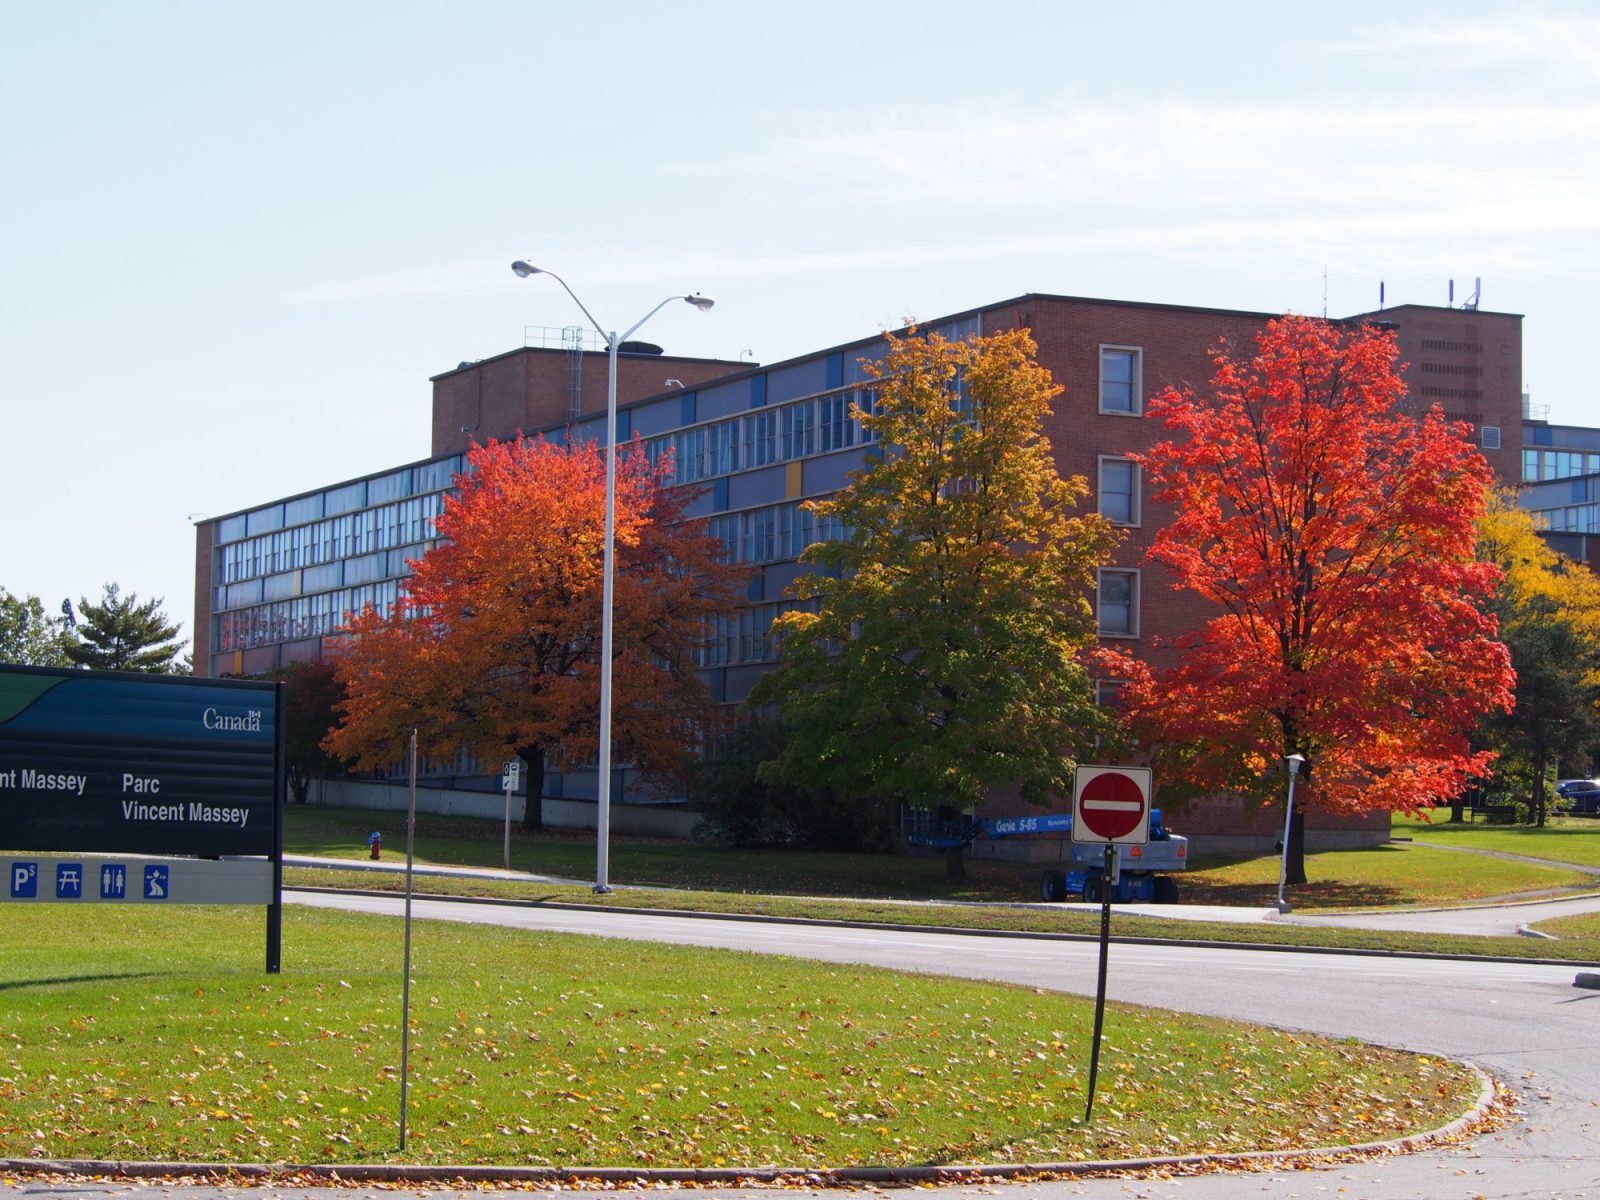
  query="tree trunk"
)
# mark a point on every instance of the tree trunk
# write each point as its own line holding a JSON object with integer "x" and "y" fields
{"x": 533, "y": 811}
{"x": 299, "y": 785}
{"x": 1538, "y": 792}
{"x": 1296, "y": 872}
{"x": 955, "y": 864}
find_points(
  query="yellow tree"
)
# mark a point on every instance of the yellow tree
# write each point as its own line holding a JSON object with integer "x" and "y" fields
{"x": 946, "y": 655}
{"x": 1549, "y": 613}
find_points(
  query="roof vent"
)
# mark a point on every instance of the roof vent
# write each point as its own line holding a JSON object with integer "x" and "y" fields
{"x": 639, "y": 348}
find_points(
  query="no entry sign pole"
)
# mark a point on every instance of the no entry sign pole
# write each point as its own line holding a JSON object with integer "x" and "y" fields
{"x": 1110, "y": 805}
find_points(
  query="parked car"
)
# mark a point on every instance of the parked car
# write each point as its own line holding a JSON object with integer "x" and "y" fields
{"x": 1581, "y": 795}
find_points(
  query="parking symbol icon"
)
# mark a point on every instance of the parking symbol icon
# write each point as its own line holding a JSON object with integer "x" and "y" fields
{"x": 69, "y": 881}
{"x": 24, "y": 880}
{"x": 113, "y": 881}
{"x": 155, "y": 882}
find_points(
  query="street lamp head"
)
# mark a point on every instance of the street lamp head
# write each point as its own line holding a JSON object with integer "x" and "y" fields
{"x": 701, "y": 302}
{"x": 1295, "y": 762}
{"x": 524, "y": 269}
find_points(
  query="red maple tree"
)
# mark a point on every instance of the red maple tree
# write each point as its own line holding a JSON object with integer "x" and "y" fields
{"x": 494, "y": 645}
{"x": 1334, "y": 535}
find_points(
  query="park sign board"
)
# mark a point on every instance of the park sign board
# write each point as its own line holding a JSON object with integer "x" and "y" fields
{"x": 124, "y": 763}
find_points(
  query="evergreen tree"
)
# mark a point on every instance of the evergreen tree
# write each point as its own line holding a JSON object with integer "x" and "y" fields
{"x": 120, "y": 634}
{"x": 28, "y": 636}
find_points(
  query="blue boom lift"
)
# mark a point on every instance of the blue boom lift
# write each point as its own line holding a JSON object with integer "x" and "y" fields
{"x": 1140, "y": 872}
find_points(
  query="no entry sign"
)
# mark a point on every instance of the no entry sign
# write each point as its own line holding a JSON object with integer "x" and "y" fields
{"x": 1111, "y": 804}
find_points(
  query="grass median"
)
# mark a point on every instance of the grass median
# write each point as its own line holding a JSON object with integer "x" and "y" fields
{"x": 161, "y": 1039}
{"x": 1020, "y": 918}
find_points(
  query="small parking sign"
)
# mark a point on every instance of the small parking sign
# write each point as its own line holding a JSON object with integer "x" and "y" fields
{"x": 24, "y": 880}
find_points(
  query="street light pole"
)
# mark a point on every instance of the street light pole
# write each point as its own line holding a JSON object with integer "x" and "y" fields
{"x": 602, "y": 870}
{"x": 1293, "y": 762}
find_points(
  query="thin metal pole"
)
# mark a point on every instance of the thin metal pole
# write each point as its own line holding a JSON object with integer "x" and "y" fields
{"x": 505, "y": 849}
{"x": 1288, "y": 819}
{"x": 405, "y": 985}
{"x": 602, "y": 867}
{"x": 1100, "y": 988}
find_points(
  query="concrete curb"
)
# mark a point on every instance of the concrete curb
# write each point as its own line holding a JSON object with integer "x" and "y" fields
{"x": 325, "y": 1174}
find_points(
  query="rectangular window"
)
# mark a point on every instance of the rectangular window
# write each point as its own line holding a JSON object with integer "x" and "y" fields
{"x": 1118, "y": 603}
{"x": 1120, "y": 382}
{"x": 1530, "y": 466}
{"x": 1491, "y": 437}
{"x": 1119, "y": 491}
{"x": 799, "y": 430}
{"x": 836, "y": 430}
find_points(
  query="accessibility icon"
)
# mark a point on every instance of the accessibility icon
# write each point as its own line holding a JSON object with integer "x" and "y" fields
{"x": 69, "y": 881}
{"x": 113, "y": 881}
{"x": 155, "y": 882}
{"x": 24, "y": 880}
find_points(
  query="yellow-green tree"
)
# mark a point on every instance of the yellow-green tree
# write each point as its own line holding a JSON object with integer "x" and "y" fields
{"x": 1549, "y": 613}
{"x": 946, "y": 652}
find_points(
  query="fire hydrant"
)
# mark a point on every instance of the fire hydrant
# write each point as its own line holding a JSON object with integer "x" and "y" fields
{"x": 376, "y": 842}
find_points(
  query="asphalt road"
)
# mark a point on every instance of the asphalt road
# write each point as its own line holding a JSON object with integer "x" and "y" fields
{"x": 1525, "y": 1023}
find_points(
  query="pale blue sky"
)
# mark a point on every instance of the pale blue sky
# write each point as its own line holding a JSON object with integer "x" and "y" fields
{"x": 237, "y": 240}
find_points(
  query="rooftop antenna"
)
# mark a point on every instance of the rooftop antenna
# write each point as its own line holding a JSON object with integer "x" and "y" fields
{"x": 1471, "y": 302}
{"x": 1324, "y": 291}
{"x": 1380, "y": 295}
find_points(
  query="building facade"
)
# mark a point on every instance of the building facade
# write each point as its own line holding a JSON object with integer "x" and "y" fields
{"x": 276, "y": 580}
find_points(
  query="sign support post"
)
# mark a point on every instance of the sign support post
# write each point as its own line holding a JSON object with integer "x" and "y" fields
{"x": 1100, "y": 987}
{"x": 508, "y": 780}
{"x": 279, "y": 787}
{"x": 405, "y": 982}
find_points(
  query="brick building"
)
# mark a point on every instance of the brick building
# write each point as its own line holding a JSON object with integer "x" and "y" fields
{"x": 275, "y": 580}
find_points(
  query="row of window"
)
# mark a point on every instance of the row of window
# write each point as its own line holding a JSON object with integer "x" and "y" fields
{"x": 303, "y": 617}
{"x": 742, "y": 637}
{"x": 1558, "y": 464}
{"x": 1576, "y": 518}
{"x": 347, "y": 536}
{"x": 766, "y": 436}
{"x": 774, "y": 534}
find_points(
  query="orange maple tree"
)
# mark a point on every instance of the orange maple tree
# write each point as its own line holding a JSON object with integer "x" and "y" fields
{"x": 1334, "y": 535}
{"x": 494, "y": 645}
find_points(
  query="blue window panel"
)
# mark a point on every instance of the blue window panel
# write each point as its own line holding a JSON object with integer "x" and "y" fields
{"x": 758, "y": 391}
{"x": 624, "y": 425}
{"x": 1543, "y": 435}
{"x": 265, "y": 520}
{"x": 650, "y": 419}
{"x": 687, "y": 417}
{"x": 780, "y": 576}
{"x": 757, "y": 589}
{"x": 756, "y": 487}
{"x": 805, "y": 378}
{"x": 827, "y": 474}
{"x": 1580, "y": 490}
{"x": 722, "y": 400}
{"x": 717, "y": 684}
{"x": 854, "y": 371}
{"x": 719, "y": 495}
{"x": 702, "y": 505}
{"x": 835, "y": 371}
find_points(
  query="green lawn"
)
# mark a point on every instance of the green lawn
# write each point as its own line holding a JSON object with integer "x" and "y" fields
{"x": 158, "y": 1037}
{"x": 1563, "y": 839}
{"x": 1573, "y": 929}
